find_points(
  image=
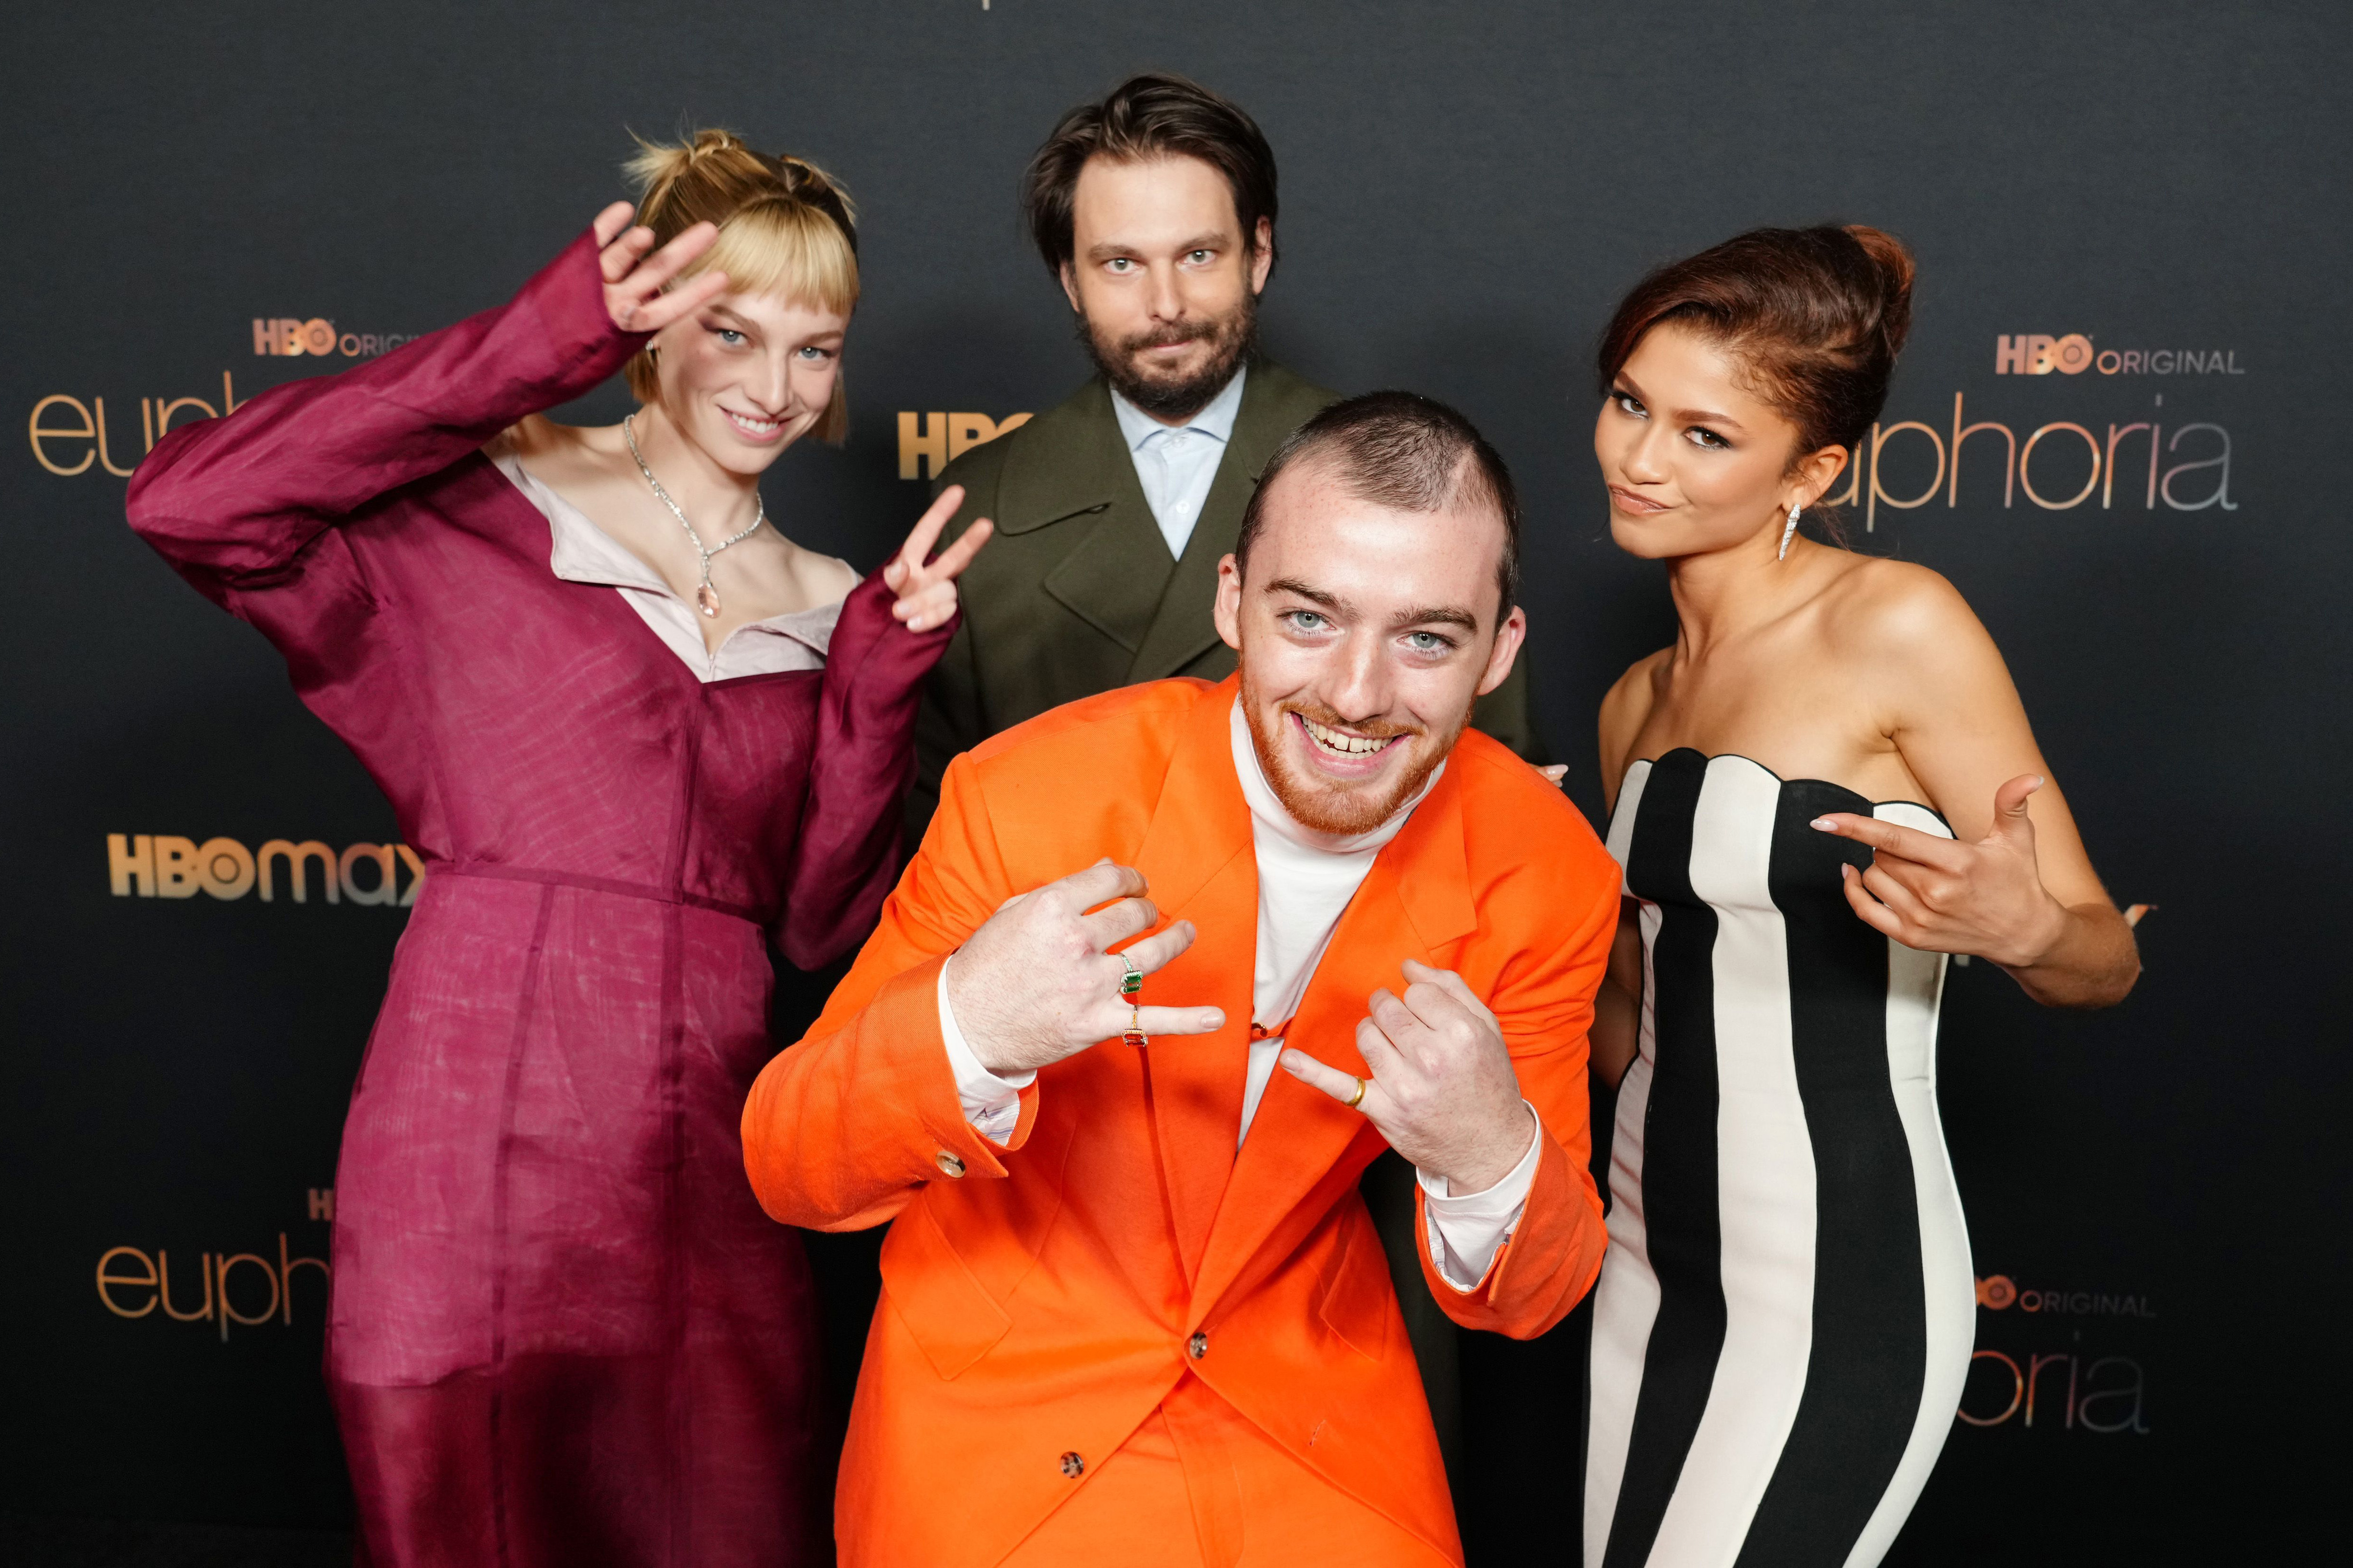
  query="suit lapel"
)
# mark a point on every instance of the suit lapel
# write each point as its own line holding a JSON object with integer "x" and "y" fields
{"x": 1197, "y": 861}
{"x": 1414, "y": 903}
{"x": 1072, "y": 469}
{"x": 1181, "y": 627}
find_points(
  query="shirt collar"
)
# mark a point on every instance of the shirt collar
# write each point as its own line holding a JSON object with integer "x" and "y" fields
{"x": 1216, "y": 418}
{"x": 1266, "y": 806}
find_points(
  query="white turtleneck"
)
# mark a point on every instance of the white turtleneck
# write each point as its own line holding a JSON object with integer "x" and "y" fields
{"x": 1305, "y": 879}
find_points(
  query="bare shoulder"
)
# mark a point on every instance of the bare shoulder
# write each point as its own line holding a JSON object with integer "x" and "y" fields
{"x": 826, "y": 578}
{"x": 1894, "y": 612}
{"x": 1631, "y": 695}
{"x": 558, "y": 454}
{"x": 1623, "y": 712}
{"x": 526, "y": 435}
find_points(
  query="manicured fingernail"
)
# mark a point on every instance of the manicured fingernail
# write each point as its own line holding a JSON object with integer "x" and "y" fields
{"x": 1824, "y": 823}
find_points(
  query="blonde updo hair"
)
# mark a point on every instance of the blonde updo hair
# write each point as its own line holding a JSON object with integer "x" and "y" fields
{"x": 784, "y": 228}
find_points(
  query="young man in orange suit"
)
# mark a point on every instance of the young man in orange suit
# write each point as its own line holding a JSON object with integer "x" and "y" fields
{"x": 1133, "y": 1311}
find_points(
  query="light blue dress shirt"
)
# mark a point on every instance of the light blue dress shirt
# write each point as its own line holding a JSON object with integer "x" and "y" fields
{"x": 1177, "y": 463}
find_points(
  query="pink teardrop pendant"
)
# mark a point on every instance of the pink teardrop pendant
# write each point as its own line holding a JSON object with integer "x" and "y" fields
{"x": 707, "y": 598}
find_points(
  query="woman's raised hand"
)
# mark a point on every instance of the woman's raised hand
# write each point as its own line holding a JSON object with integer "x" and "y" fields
{"x": 634, "y": 281}
{"x": 1984, "y": 899}
{"x": 926, "y": 583}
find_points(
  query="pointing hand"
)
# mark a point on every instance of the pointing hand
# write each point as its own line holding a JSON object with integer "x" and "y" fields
{"x": 1986, "y": 899}
{"x": 1443, "y": 1090}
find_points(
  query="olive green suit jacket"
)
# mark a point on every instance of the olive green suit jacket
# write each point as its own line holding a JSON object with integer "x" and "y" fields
{"x": 1077, "y": 594}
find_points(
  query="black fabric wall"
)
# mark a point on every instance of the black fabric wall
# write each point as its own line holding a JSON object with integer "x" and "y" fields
{"x": 2156, "y": 1194}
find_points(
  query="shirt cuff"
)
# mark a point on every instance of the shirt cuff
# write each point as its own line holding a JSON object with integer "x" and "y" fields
{"x": 1466, "y": 1233}
{"x": 992, "y": 1104}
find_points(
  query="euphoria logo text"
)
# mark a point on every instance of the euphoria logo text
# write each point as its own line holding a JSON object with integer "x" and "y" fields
{"x": 134, "y": 1282}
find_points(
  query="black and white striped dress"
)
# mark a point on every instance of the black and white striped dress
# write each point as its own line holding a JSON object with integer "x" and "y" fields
{"x": 1784, "y": 1318}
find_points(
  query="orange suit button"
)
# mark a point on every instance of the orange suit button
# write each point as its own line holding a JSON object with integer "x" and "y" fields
{"x": 1198, "y": 1346}
{"x": 950, "y": 1162}
{"x": 1073, "y": 1466}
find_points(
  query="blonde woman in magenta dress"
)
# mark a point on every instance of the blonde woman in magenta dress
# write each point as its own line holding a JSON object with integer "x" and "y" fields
{"x": 638, "y": 733}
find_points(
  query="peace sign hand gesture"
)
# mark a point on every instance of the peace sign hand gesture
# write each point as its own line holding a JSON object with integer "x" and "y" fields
{"x": 1986, "y": 899}
{"x": 926, "y": 587}
{"x": 635, "y": 283}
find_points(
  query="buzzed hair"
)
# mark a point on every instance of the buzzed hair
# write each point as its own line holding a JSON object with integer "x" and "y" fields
{"x": 1407, "y": 452}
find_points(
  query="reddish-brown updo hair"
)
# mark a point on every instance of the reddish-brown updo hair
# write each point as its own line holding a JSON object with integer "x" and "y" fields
{"x": 1816, "y": 315}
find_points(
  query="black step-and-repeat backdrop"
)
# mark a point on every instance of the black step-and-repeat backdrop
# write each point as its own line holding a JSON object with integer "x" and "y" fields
{"x": 2121, "y": 429}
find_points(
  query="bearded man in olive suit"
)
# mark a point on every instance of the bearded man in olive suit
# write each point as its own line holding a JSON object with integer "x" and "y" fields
{"x": 1155, "y": 209}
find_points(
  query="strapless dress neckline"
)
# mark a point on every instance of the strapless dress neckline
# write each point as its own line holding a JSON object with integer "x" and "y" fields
{"x": 1869, "y": 805}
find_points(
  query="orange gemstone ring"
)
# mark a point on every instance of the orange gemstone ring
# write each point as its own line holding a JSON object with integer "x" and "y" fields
{"x": 1134, "y": 1034}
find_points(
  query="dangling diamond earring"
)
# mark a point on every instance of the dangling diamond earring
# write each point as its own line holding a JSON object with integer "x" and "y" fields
{"x": 1789, "y": 533}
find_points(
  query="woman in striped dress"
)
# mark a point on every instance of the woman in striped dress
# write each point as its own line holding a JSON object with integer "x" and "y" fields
{"x": 1823, "y": 787}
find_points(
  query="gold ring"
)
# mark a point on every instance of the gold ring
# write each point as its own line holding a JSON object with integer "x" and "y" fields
{"x": 1134, "y": 1034}
{"x": 1359, "y": 1100}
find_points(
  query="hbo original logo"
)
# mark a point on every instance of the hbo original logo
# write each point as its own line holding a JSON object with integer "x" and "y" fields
{"x": 287, "y": 335}
{"x": 2039, "y": 353}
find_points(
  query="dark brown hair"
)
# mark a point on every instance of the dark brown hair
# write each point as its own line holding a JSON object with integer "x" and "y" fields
{"x": 783, "y": 226}
{"x": 1817, "y": 315}
{"x": 1145, "y": 117}
{"x": 1401, "y": 450}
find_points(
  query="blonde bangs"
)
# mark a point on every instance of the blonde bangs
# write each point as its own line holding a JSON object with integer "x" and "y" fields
{"x": 787, "y": 248}
{"x": 784, "y": 230}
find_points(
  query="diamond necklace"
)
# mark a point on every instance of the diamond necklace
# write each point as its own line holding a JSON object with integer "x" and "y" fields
{"x": 706, "y": 597}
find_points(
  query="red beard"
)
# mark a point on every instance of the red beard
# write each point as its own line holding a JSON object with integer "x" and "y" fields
{"x": 1337, "y": 809}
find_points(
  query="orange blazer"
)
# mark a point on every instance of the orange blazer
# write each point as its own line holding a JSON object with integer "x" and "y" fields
{"x": 1038, "y": 1298}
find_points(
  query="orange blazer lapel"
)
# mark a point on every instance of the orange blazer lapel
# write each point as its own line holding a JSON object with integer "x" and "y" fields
{"x": 1415, "y": 904}
{"x": 1197, "y": 860}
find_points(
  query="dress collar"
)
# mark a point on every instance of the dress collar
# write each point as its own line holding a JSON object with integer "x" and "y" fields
{"x": 583, "y": 552}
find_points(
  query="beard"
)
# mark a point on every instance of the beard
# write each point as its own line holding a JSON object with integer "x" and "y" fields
{"x": 1337, "y": 809}
{"x": 1232, "y": 338}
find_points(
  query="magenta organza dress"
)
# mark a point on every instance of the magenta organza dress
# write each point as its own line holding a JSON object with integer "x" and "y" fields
{"x": 562, "y": 1333}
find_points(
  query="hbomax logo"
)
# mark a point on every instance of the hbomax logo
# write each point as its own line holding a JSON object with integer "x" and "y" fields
{"x": 165, "y": 865}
